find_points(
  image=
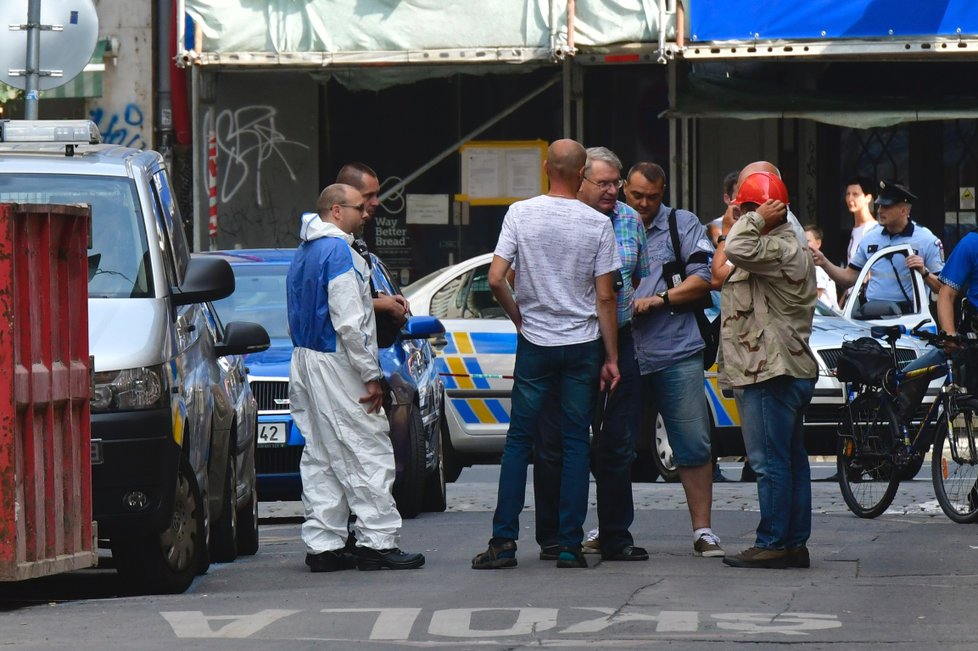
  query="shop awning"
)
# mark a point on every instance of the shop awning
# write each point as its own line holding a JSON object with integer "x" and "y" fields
{"x": 88, "y": 83}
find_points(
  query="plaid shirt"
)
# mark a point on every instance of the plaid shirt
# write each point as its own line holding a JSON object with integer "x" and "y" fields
{"x": 634, "y": 253}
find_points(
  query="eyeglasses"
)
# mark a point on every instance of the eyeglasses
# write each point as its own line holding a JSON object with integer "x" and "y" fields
{"x": 607, "y": 185}
{"x": 360, "y": 207}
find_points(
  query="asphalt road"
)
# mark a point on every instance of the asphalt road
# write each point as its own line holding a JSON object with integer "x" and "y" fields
{"x": 904, "y": 580}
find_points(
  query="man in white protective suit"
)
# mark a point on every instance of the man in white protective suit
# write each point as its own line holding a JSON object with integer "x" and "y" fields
{"x": 336, "y": 397}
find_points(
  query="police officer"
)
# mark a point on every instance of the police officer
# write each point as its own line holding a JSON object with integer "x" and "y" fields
{"x": 892, "y": 283}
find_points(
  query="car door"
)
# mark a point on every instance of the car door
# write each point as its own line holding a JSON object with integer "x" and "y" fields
{"x": 477, "y": 360}
{"x": 888, "y": 312}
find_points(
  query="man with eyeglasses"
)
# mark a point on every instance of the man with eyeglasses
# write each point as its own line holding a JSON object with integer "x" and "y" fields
{"x": 392, "y": 311}
{"x": 336, "y": 397}
{"x": 617, "y": 422}
{"x": 668, "y": 343}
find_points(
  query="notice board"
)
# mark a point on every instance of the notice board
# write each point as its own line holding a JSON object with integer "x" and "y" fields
{"x": 499, "y": 172}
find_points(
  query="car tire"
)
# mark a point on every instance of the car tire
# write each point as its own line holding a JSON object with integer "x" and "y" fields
{"x": 409, "y": 487}
{"x": 435, "y": 490}
{"x": 224, "y": 537}
{"x": 662, "y": 452}
{"x": 450, "y": 462}
{"x": 166, "y": 563}
{"x": 248, "y": 539}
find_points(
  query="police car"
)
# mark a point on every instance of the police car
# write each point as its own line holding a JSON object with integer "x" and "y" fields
{"x": 910, "y": 313}
{"x": 477, "y": 357}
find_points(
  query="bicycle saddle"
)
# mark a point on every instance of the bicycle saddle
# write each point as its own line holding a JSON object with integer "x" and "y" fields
{"x": 887, "y": 332}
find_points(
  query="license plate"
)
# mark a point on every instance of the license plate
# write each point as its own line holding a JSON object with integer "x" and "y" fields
{"x": 273, "y": 433}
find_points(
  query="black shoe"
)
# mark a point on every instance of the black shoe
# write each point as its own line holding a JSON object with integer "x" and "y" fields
{"x": 571, "y": 557}
{"x": 550, "y": 553}
{"x": 330, "y": 561}
{"x": 387, "y": 559}
{"x": 500, "y": 554}
{"x": 629, "y": 553}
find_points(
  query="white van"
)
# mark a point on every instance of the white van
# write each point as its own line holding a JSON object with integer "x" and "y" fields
{"x": 166, "y": 456}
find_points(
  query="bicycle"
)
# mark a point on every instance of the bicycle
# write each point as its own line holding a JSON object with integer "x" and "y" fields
{"x": 876, "y": 447}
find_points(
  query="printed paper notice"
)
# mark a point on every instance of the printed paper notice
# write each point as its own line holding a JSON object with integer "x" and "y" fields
{"x": 482, "y": 173}
{"x": 427, "y": 209}
{"x": 523, "y": 173}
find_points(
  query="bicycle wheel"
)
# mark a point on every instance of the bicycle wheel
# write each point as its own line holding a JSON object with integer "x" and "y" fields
{"x": 867, "y": 476}
{"x": 954, "y": 464}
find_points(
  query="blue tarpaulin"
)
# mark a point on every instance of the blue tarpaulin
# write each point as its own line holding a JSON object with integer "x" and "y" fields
{"x": 734, "y": 20}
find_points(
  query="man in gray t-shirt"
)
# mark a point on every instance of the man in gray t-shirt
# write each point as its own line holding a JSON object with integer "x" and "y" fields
{"x": 566, "y": 324}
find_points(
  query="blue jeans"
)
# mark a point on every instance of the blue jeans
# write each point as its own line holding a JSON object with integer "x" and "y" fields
{"x": 677, "y": 392}
{"x": 771, "y": 415}
{"x": 612, "y": 453}
{"x": 572, "y": 371}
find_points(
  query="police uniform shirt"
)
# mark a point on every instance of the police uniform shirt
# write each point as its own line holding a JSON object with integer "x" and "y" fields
{"x": 961, "y": 271}
{"x": 886, "y": 280}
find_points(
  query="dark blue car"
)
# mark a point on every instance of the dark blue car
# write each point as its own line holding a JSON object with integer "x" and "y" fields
{"x": 414, "y": 395}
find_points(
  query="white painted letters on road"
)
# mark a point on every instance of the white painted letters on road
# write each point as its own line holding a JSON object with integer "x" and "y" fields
{"x": 457, "y": 622}
{"x": 391, "y": 623}
{"x": 193, "y": 623}
{"x": 667, "y": 621}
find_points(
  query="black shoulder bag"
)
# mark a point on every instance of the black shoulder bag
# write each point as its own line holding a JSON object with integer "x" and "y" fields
{"x": 673, "y": 273}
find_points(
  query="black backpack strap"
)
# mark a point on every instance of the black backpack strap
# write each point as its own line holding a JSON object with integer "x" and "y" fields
{"x": 676, "y": 247}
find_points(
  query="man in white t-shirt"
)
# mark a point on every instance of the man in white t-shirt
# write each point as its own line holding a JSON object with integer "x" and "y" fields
{"x": 566, "y": 326}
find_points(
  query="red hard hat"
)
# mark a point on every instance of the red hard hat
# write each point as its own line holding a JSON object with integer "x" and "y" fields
{"x": 761, "y": 186}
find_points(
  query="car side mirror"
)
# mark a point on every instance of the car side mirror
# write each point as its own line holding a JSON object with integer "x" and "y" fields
{"x": 241, "y": 338}
{"x": 421, "y": 327}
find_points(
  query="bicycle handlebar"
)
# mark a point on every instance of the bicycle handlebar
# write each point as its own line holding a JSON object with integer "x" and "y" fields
{"x": 937, "y": 339}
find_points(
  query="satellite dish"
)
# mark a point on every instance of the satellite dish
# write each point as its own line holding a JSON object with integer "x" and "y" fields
{"x": 64, "y": 51}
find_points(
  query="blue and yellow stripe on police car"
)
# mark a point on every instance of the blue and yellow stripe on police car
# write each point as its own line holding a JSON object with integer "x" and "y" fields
{"x": 480, "y": 411}
{"x": 724, "y": 408}
{"x": 458, "y": 372}
{"x": 479, "y": 343}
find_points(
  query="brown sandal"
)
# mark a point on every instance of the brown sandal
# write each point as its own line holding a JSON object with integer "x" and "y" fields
{"x": 491, "y": 559}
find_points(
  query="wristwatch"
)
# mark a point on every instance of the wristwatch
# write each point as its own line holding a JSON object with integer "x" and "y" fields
{"x": 721, "y": 238}
{"x": 925, "y": 272}
{"x": 664, "y": 295}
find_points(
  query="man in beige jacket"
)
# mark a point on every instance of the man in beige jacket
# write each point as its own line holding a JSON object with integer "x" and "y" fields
{"x": 766, "y": 307}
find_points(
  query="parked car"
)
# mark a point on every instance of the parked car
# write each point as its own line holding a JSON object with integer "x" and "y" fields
{"x": 166, "y": 443}
{"x": 478, "y": 359}
{"x": 413, "y": 391}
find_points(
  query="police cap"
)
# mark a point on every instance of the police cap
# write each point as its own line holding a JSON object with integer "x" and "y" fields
{"x": 892, "y": 193}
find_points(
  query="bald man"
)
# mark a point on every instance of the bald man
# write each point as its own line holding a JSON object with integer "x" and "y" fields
{"x": 566, "y": 328}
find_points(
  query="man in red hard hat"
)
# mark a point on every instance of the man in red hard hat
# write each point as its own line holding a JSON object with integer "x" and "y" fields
{"x": 766, "y": 308}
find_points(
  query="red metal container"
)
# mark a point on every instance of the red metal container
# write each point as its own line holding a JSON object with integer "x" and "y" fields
{"x": 45, "y": 381}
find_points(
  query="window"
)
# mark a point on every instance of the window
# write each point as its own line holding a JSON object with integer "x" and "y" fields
{"x": 467, "y": 296}
{"x": 259, "y": 296}
{"x": 118, "y": 261}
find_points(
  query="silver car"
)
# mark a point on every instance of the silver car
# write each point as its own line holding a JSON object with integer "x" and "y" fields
{"x": 169, "y": 444}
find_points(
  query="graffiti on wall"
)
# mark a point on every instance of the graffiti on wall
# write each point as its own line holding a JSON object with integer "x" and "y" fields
{"x": 249, "y": 139}
{"x": 123, "y": 127}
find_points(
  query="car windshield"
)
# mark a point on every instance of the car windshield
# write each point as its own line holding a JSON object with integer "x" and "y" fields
{"x": 259, "y": 296}
{"x": 118, "y": 261}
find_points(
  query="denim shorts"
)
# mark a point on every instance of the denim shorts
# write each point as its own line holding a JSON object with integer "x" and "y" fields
{"x": 677, "y": 392}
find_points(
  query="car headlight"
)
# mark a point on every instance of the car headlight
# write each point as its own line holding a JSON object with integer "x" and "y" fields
{"x": 130, "y": 389}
